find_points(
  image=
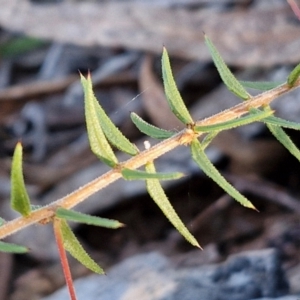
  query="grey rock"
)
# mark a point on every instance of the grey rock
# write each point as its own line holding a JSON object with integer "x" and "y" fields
{"x": 249, "y": 275}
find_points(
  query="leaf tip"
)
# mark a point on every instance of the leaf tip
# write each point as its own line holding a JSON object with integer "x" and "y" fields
{"x": 198, "y": 245}
{"x": 165, "y": 52}
{"x": 251, "y": 206}
{"x": 81, "y": 76}
{"x": 19, "y": 146}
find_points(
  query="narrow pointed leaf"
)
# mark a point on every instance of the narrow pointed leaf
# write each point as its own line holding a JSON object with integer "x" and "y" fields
{"x": 173, "y": 96}
{"x": 281, "y": 122}
{"x": 244, "y": 120}
{"x": 143, "y": 175}
{"x": 149, "y": 129}
{"x": 260, "y": 85}
{"x": 97, "y": 139}
{"x": 284, "y": 139}
{"x": 157, "y": 193}
{"x": 209, "y": 169}
{"x": 294, "y": 75}
{"x": 112, "y": 133}
{"x": 12, "y": 248}
{"x": 73, "y": 246}
{"x": 75, "y": 216}
{"x": 272, "y": 120}
{"x": 274, "y": 124}
{"x": 19, "y": 198}
{"x": 228, "y": 78}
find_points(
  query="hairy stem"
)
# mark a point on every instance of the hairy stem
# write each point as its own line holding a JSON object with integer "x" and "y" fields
{"x": 43, "y": 215}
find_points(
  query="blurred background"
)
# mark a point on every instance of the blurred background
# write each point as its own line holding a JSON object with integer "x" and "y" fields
{"x": 44, "y": 44}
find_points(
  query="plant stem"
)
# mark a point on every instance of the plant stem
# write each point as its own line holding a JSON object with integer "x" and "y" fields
{"x": 294, "y": 7}
{"x": 242, "y": 108}
{"x": 184, "y": 137}
{"x": 63, "y": 258}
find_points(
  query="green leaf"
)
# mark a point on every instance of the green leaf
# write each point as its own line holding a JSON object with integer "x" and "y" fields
{"x": 173, "y": 96}
{"x": 284, "y": 139}
{"x": 158, "y": 195}
{"x": 228, "y": 78}
{"x": 75, "y": 216}
{"x": 143, "y": 175}
{"x": 254, "y": 116}
{"x": 260, "y": 85}
{"x": 20, "y": 201}
{"x": 209, "y": 169}
{"x": 12, "y": 248}
{"x": 294, "y": 75}
{"x": 112, "y": 133}
{"x": 97, "y": 139}
{"x": 281, "y": 122}
{"x": 73, "y": 246}
{"x": 149, "y": 129}
{"x": 274, "y": 124}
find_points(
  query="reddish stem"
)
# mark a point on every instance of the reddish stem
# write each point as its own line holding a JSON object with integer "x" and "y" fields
{"x": 294, "y": 7}
{"x": 63, "y": 258}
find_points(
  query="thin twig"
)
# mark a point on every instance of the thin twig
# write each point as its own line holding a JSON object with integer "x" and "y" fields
{"x": 210, "y": 212}
{"x": 266, "y": 190}
{"x": 294, "y": 7}
{"x": 63, "y": 257}
{"x": 35, "y": 89}
{"x": 184, "y": 137}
